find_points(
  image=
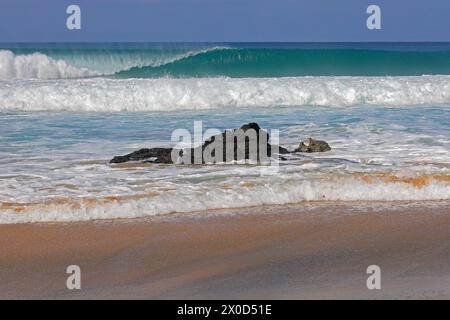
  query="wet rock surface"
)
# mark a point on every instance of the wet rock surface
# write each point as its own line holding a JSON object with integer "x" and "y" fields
{"x": 313, "y": 146}
{"x": 249, "y": 142}
{"x": 156, "y": 155}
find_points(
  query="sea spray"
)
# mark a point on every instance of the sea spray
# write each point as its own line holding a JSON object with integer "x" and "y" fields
{"x": 165, "y": 94}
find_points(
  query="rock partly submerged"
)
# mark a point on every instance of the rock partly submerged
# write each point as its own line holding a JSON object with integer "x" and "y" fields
{"x": 241, "y": 148}
{"x": 313, "y": 146}
{"x": 156, "y": 155}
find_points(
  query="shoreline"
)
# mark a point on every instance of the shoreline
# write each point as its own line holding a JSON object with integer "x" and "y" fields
{"x": 304, "y": 206}
{"x": 282, "y": 252}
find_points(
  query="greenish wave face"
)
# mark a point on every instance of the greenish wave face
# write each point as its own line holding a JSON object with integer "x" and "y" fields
{"x": 230, "y": 60}
{"x": 298, "y": 62}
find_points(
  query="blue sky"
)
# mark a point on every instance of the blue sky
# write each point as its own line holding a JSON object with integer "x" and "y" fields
{"x": 223, "y": 20}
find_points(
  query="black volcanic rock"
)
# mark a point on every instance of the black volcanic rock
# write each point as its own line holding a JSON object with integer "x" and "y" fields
{"x": 249, "y": 142}
{"x": 156, "y": 155}
{"x": 240, "y": 151}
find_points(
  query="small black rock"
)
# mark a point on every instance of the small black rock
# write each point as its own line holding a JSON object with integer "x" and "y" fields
{"x": 313, "y": 146}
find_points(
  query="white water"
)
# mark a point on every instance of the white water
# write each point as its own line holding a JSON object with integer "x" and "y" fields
{"x": 48, "y": 172}
{"x": 41, "y": 66}
{"x": 164, "y": 94}
{"x": 38, "y": 66}
{"x": 277, "y": 190}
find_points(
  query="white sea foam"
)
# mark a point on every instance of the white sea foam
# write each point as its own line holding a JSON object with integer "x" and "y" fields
{"x": 194, "y": 198}
{"x": 165, "y": 94}
{"x": 37, "y": 66}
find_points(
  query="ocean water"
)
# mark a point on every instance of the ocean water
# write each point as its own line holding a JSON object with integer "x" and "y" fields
{"x": 67, "y": 109}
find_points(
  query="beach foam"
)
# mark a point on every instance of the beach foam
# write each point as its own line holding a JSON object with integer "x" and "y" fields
{"x": 274, "y": 191}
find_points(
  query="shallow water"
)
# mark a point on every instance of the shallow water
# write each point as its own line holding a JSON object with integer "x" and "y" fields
{"x": 54, "y": 166}
{"x": 67, "y": 109}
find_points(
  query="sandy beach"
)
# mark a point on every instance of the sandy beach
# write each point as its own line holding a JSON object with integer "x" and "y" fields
{"x": 286, "y": 252}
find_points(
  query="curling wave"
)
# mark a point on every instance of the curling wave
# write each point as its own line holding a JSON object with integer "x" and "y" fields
{"x": 275, "y": 62}
{"x": 65, "y": 64}
{"x": 216, "y": 61}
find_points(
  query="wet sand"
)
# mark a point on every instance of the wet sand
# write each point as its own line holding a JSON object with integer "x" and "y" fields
{"x": 286, "y": 252}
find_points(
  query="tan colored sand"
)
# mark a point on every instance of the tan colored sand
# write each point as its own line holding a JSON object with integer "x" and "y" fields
{"x": 282, "y": 252}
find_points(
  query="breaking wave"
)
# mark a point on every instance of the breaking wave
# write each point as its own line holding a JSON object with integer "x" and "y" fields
{"x": 87, "y": 63}
{"x": 166, "y": 94}
{"x": 216, "y": 61}
{"x": 364, "y": 188}
{"x": 37, "y": 66}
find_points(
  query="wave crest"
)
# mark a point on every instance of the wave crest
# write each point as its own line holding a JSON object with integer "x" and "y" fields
{"x": 296, "y": 62}
{"x": 37, "y": 66}
{"x": 54, "y": 65}
{"x": 217, "y": 61}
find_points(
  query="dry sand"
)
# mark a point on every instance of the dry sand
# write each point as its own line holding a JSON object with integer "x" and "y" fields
{"x": 286, "y": 252}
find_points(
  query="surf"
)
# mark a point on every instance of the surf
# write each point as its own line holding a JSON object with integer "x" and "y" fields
{"x": 38, "y": 66}
{"x": 220, "y": 61}
{"x": 264, "y": 62}
{"x": 48, "y": 64}
{"x": 172, "y": 95}
{"x": 329, "y": 189}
